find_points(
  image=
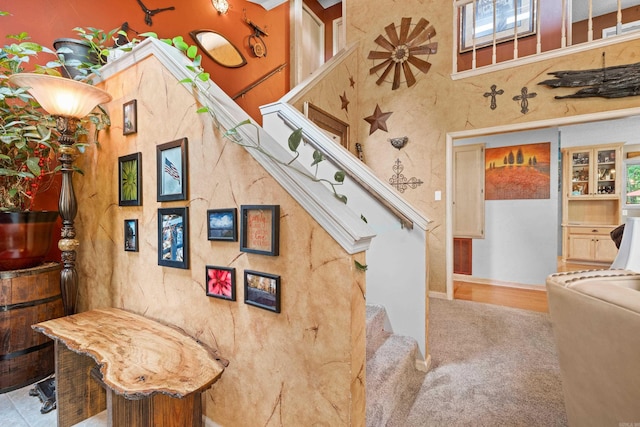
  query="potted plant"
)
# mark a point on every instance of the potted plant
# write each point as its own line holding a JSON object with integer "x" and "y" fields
{"x": 28, "y": 156}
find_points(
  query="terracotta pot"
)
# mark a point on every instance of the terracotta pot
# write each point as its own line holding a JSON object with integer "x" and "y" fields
{"x": 26, "y": 238}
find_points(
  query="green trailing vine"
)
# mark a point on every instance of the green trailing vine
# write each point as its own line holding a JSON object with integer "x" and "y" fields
{"x": 195, "y": 67}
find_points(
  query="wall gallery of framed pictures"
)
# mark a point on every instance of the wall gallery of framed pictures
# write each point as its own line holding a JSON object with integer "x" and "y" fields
{"x": 259, "y": 225}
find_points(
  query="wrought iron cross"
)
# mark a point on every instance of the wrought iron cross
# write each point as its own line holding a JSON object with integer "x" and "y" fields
{"x": 400, "y": 182}
{"x": 493, "y": 95}
{"x": 524, "y": 99}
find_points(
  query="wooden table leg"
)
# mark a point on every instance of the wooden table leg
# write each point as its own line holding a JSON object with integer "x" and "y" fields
{"x": 127, "y": 412}
{"x": 166, "y": 410}
{"x": 158, "y": 410}
{"x": 78, "y": 397}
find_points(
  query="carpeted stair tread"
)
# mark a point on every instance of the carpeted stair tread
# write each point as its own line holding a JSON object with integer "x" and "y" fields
{"x": 389, "y": 370}
{"x": 376, "y": 334}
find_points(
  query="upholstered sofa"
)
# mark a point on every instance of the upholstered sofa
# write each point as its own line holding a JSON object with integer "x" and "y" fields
{"x": 596, "y": 322}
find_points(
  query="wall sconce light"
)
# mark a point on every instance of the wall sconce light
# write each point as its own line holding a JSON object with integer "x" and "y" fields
{"x": 68, "y": 101}
{"x": 222, "y": 6}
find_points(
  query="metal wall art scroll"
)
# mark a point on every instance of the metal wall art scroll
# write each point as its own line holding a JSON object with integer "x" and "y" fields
{"x": 402, "y": 50}
{"x": 400, "y": 182}
{"x": 256, "y": 43}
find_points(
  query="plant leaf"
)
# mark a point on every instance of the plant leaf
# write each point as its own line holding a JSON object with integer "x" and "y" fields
{"x": 294, "y": 139}
{"x": 33, "y": 166}
{"x": 360, "y": 266}
{"x": 317, "y": 157}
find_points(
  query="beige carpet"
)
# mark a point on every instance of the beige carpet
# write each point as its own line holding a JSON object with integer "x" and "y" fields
{"x": 491, "y": 366}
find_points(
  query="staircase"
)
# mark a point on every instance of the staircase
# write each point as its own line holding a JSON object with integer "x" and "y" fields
{"x": 392, "y": 380}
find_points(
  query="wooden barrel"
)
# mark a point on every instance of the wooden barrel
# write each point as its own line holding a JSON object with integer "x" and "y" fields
{"x": 27, "y": 296}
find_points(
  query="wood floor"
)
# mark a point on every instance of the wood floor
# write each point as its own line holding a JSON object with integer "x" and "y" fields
{"x": 527, "y": 299}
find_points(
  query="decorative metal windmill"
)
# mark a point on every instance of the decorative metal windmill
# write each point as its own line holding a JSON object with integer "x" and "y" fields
{"x": 401, "y": 50}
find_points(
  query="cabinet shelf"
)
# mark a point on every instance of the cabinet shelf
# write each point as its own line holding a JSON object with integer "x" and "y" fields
{"x": 591, "y": 202}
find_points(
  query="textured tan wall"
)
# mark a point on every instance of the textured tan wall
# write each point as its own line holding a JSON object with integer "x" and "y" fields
{"x": 327, "y": 94}
{"x": 304, "y": 366}
{"x": 437, "y": 104}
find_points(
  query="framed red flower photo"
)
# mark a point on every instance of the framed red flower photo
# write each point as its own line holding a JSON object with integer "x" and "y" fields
{"x": 221, "y": 282}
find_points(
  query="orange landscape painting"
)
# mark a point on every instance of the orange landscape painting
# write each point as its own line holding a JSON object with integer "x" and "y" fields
{"x": 518, "y": 172}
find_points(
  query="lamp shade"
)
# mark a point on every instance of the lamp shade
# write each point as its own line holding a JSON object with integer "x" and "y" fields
{"x": 60, "y": 96}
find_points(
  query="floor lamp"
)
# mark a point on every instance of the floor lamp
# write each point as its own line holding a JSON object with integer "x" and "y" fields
{"x": 68, "y": 101}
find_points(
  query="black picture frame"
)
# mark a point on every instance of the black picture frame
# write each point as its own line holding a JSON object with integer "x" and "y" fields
{"x": 131, "y": 235}
{"x": 262, "y": 290}
{"x": 173, "y": 237}
{"x": 130, "y": 117}
{"x": 260, "y": 229}
{"x": 130, "y": 180}
{"x": 220, "y": 282}
{"x": 221, "y": 224}
{"x": 172, "y": 173}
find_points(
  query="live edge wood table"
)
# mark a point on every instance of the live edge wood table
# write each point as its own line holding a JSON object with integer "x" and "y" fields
{"x": 154, "y": 374}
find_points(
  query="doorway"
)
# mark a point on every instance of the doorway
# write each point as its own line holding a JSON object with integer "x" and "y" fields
{"x": 508, "y": 131}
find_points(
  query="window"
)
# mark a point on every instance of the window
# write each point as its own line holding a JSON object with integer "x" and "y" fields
{"x": 509, "y": 33}
{"x": 632, "y": 183}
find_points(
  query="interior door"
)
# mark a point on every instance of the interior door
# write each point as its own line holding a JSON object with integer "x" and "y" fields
{"x": 312, "y": 55}
{"x": 468, "y": 191}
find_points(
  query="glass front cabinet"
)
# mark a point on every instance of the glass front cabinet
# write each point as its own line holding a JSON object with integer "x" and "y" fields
{"x": 591, "y": 202}
{"x": 593, "y": 172}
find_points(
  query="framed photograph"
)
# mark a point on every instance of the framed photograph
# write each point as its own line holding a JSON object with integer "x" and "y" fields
{"x": 221, "y": 224}
{"x": 221, "y": 282}
{"x": 130, "y": 117}
{"x": 262, "y": 290}
{"x": 173, "y": 237}
{"x": 260, "y": 229}
{"x": 333, "y": 126}
{"x": 131, "y": 235}
{"x": 172, "y": 170}
{"x": 130, "y": 180}
{"x": 503, "y": 26}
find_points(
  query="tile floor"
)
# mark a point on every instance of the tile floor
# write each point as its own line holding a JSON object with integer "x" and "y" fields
{"x": 18, "y": 409}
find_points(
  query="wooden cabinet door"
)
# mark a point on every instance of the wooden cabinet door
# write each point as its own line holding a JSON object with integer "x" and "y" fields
{"x": 605, "y": 249}
{"x": 468, "y": 191}
{"x": 581, "y": 247}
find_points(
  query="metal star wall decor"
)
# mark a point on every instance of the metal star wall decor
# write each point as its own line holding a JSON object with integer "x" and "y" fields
{"x": 345, "y": 102}
{"x": 378, "y": 120}
{"x": 401, "y": 50}
{"x": 400, "y": 182}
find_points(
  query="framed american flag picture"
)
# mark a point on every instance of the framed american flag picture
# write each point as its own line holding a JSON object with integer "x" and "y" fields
{"x": 172, "y": 170}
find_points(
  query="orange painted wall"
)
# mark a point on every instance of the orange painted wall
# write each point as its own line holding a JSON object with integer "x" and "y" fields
{"x": 46, "y": 20}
